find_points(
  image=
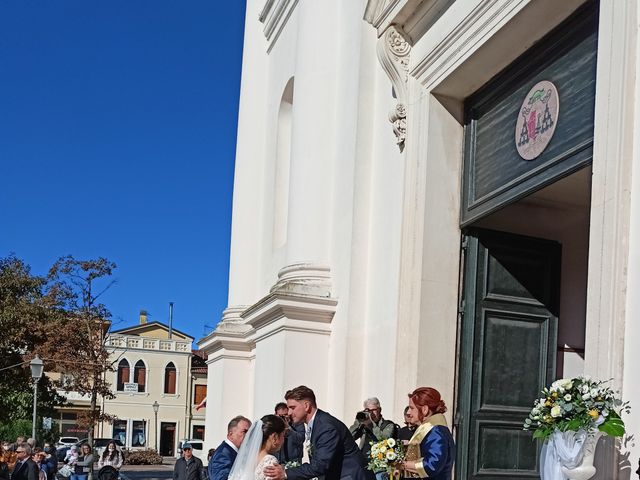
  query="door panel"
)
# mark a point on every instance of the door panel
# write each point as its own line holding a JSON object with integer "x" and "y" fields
{"x": 507, "y": 350}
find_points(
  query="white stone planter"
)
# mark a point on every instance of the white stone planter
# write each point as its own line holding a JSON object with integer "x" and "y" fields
{"x": 569, "y": 455}
{"x": 586, "y": 468}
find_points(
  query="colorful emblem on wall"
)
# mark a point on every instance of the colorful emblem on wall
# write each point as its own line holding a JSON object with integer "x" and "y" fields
{"x": 537, "y": 120}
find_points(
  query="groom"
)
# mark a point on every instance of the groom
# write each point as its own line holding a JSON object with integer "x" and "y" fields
{"x": 332, "y": 453}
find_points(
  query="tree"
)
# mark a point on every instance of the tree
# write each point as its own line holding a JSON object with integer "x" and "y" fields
{"x": 29, "y": 313}
{"x": 82, "y": 358}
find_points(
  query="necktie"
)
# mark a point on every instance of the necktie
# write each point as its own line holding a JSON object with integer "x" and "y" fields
{"x": 307, "y": 444}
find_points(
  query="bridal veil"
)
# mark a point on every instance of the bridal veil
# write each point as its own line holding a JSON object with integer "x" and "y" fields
{"x": 245, "y": 464}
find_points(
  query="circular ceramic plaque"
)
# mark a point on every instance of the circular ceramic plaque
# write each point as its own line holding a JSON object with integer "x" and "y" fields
{"x": 537, "y": 120}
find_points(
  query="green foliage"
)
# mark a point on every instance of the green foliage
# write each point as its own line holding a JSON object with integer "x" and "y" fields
{"x": 14, "y": 429}
{"x": 143, "y": 457}
{"x": 577, "y": 404}
{"x": 613, "y": 426}
{"x": 36, "y": 315}
{"x": 29, "y": 313}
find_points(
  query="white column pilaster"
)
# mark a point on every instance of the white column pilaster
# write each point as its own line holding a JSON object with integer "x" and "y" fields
{"x": 313, "y": 135}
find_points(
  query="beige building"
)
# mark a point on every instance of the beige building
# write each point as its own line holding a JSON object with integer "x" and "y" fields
{"x": 154, "y": 367}
{"x": 407, "y": 212}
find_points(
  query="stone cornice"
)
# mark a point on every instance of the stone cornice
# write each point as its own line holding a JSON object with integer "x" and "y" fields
{"x": 462, "y": 38}
{"x": 382, "y": 11}
{"x": 228, "y": 345}
{"x": 274, "y": 16}
{"x": 230, "y": 334}
{"x": 317, "y": 310}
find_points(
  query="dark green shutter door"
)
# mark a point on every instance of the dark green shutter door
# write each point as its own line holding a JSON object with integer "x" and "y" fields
{"x": 508, "y": 348}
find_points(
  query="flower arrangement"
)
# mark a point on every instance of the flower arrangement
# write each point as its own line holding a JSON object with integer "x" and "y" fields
{"x": 291, "y": 464}
{"x": 385, "y": 455}
{"x": 572, "y": 404}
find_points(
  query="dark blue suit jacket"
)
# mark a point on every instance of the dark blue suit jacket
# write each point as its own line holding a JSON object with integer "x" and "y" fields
{"x": 334, "y": 454}
{"x": 221, "y": 462}
{"x": 292, "y": 448}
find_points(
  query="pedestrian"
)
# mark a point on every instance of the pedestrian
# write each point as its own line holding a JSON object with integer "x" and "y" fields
{"x": 25, "y": 468}
{"x": 4, "y": 463}
{"x": 84, "y": 465}
{"x": 188, "y": 467}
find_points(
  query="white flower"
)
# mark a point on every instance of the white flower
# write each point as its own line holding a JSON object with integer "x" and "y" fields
{"x": 391, "y": 442}
{"x": 541, "y": 402}
{"x": 556, "y": 411}
{"x": 567, "y": 398}
{"x": 594, "y": 392}
{"x": 391, "y": 455}
{"x": 585, "y": 388}
{"x": 586, "y": 396}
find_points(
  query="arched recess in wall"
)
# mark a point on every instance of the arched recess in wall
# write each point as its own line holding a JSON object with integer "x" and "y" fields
{"x": 283, "y": 162}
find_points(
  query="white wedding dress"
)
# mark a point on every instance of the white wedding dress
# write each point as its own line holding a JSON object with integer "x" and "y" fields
{"x": 266, "y": 461}
{"x": 246, "y": 465}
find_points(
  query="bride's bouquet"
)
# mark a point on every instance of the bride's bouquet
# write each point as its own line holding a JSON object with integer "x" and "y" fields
{"x": 386, "y": 455}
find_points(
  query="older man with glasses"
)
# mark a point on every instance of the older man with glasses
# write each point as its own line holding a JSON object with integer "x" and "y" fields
{"x": 188, "y": 467}
{"x": 369, "y": 426}
{"x": 25, "y": 468}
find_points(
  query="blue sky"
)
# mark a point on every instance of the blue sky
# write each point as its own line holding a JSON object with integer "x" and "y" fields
{"x": 117, "y": 139}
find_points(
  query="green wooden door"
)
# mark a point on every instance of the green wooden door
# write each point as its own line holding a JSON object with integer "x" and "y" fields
{"x": 507, "y": 350}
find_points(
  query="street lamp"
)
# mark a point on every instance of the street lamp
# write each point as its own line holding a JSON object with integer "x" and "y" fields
{"x": 156, "y": 407}
{"x": 37, "y": 365}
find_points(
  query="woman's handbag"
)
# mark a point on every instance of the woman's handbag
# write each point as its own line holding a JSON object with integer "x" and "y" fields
{"x": 65, "y": 471}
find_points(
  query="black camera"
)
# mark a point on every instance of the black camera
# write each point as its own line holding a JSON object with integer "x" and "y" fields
{"x": 362, "y": 416}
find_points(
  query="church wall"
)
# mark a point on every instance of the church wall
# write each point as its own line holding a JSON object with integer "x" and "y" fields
{"x": 365, "y": 225}
{"x": 281, "y": 68}
{"x": 386, "y": 223}
{"x": 247, "y": 216}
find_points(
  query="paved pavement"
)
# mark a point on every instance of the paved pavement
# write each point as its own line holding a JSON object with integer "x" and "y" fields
{"x": 148, "y": 472}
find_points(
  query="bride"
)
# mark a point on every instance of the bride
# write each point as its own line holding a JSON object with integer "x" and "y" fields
{"x": 263, "y": 440}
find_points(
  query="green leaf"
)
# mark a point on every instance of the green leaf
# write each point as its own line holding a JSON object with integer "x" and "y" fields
{"x": 613, "y": 427}
{"x": 541, "y": 434}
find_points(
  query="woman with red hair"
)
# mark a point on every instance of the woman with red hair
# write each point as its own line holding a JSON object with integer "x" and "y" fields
{"x": 431, "y": 451}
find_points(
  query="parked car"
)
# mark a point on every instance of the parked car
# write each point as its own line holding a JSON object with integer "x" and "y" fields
{"x": 67, "y": 441}
{"x": 99, "y": 444}
{"x": 197, "y": 446}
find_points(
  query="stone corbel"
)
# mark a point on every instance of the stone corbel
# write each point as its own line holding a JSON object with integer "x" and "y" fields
{"x": 393, "y": 53}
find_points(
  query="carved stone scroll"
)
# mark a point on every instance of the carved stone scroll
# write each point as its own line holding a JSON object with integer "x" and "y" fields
{"x": 393, "y": 53}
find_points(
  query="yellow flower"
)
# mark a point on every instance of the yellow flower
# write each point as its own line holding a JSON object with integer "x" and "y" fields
{"x": 554, "y": 394}
{"x": 594, "y": 413}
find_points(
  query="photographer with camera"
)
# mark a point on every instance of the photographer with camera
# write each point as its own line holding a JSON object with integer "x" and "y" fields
{"x": 292, "y": 447}
{"x": 369, "y": 426}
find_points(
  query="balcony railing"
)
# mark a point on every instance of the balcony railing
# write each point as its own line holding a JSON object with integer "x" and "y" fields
{"x": 134, "y": 342}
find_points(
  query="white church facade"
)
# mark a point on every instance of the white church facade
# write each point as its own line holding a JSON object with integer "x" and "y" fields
{"x": 437, "y": 193}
